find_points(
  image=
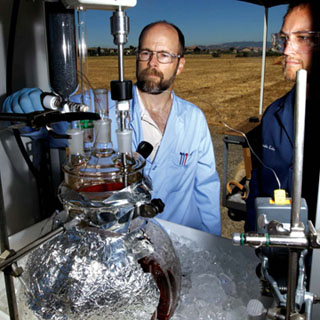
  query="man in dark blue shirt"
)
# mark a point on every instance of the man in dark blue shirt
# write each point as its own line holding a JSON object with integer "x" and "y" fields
{"x": 299, "y": 42}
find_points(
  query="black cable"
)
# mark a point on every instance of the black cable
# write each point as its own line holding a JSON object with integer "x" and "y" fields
{"x": 9, "y": 85}
{"x": 10, "y": 51}
{"x": 9, "y": 81}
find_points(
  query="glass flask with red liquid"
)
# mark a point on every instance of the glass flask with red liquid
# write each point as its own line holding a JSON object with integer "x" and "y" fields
{"x": 102, "y": 173}
{"x": 114, "y": 262}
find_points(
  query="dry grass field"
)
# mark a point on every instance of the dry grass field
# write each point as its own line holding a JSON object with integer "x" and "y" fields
{"x": 227, "y": 84}
{"x": 225, "y": 88}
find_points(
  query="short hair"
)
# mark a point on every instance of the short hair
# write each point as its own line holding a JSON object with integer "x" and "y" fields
{"x": 180, "y": 34}
{"x": 315, "y": 8}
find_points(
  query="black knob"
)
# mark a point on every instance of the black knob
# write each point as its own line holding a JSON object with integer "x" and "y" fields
{"x": 121, "y": 90}
{"x": 158, "y": 204}
{"x": 151, "y": 209}
{"x": 145, "y": 149}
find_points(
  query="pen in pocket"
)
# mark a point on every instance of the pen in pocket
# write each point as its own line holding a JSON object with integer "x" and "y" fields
{"x": 183, "y": 158}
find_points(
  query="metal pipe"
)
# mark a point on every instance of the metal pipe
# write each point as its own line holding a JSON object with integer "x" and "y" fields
{"x": 299, "y": 119}
{"x": 298, "y": 241}
{"x": 120, "y": 30}
{"x": 264, "y": 49}
{"x": 4, "y": 245}
{"x": 120, "y": 62}
{"x": 292, "y": 282}
{"x": 28, "y": 248}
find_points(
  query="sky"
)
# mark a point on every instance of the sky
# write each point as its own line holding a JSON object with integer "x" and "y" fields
{"x": 203, "y": 22}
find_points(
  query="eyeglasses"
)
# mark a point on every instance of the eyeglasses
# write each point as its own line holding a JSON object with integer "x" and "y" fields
{"x": 302, "y": 41}
{"x": 162, "y": 56}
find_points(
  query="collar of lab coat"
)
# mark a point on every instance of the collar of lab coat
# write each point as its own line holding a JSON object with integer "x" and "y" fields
{"x": 173, "y": 125}
{"x": 135, "y": 106}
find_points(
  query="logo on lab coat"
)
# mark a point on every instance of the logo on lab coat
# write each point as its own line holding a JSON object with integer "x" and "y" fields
{"x": 269, "y": 147}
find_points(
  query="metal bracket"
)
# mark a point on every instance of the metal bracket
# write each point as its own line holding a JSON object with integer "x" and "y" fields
{"x": 314, "y": 236}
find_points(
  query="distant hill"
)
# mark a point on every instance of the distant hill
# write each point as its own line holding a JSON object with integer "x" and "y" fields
{"x": 236, "y": 45}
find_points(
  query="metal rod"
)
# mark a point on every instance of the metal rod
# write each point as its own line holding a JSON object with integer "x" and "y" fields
{"x": 265, "y": 32}
{"x": 120, "y": 30}
{"x": 292, "y": 282}
{"x": 120, "y": 62}
{"x": 4, "y": 244}
{"x": 273, "y": 241}
{"x": 10, "y": 292}
{"x": 28, "y": 248}
{"x": 299, "y": 120}
{"x": 11, "y": 297}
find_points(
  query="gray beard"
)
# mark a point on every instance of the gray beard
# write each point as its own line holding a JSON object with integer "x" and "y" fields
{"x": 153, "y": 87}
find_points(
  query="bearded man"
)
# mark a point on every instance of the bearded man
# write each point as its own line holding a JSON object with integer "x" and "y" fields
{"x": 299, "y": 42}
{"x": 182, "y": 165}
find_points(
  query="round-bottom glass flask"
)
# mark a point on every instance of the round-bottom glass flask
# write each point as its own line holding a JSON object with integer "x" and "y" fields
{"x": 110, "y": 262}
{"x": 94, "y": 274}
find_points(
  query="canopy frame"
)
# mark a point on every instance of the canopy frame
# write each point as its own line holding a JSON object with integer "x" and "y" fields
{"x": 267, "y": 4}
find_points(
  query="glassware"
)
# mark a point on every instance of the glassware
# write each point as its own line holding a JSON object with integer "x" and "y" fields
{"x": 110, "y": 262}
{"x": 101, "y": 102}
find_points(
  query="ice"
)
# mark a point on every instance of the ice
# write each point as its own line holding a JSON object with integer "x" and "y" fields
{"x": 216, "y": 284}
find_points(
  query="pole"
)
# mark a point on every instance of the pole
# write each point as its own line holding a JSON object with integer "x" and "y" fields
{"x": 299, "y": 119}
{"x": 11, "y": 296}
{"x": 264, "y": 50}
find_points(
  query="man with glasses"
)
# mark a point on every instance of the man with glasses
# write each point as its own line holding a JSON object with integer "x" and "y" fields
{"x": 182, "y": 163}
{"x": 298, "y": 41}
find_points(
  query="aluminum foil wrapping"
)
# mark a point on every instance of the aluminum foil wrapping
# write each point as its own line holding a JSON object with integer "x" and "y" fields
{"x": 89, "y": 273}
{"x": 115, "y": 213}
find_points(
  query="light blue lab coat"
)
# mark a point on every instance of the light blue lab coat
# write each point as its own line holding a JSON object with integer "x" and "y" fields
{"x": 188, "y": 185}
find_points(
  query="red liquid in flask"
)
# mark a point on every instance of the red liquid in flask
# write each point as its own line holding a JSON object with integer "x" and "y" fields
{"x": 166, "y": 285}
{"x": 103, "y": 187}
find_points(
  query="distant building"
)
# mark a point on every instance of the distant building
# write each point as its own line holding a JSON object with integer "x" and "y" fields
{"x": 245, "y": 50}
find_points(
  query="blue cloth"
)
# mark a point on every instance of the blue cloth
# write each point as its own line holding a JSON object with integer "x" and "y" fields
{"x": 190, "y": 189}
{"x": 276, "y": 152}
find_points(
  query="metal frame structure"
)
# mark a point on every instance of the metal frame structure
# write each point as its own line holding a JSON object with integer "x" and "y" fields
{"x": 267, "y": 4}
{"x": 314, "y": 277}
{"x": 235, "y": 138}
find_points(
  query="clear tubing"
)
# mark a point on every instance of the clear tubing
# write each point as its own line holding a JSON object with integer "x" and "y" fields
{"x": 82, "y": 51}
{"x": 85, "y": 92}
